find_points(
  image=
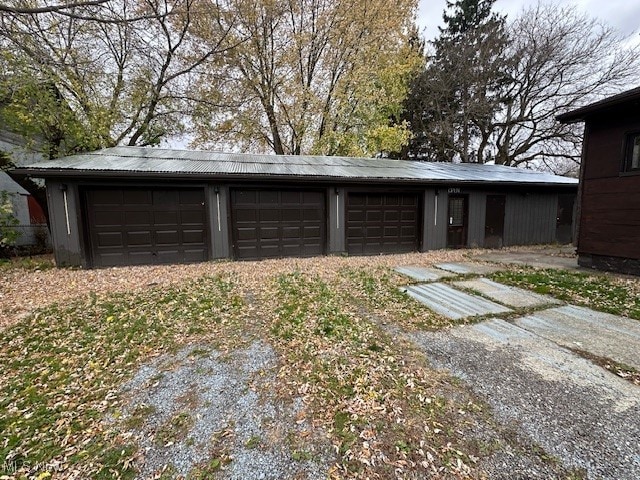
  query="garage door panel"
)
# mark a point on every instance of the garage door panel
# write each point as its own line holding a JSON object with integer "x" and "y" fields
{"x": 195, "y": 255}
{"x": 167, "y": 237}
{"x": 146, "y": 226}
{"x": 192, "y": 217}
{"x": 269, "y": 197}
{"x": 356, "y": 216}
{"x": 313, "y": 197}
{"x": 408, "y": 216}
{"x": 269, "y": 233}
{"x": 291, "y": 198}
{"x": 110, "y": 239}
{"x": 107, "y": 197}
{"x": 113, "y": 258}
{"x": 193, "y": 237}
{"x": 165, "y": 218}
{"x": 137, "y": 197}
{"x": 168, "y": 198}
{"x": 374, "y": 216}
{"x": 105, "y": 218}
{"x": 139, "y": 239}
{"x": 286, "y": 221}
{"x": 312, "y": 214}
{"x": 291, "y": 232}
{"x": 247, "y": 233}
{"x": 246, "y": 216}
{"x": 269, "y": 215}
{"x": 312, "y": 232}
{"x": 245, "y": 197}
{"x": 374, "y": 232}
{"x": 392, "y": 200}
{"x": 137, "y": 218}
{"x": 382, "y": 222}
{"x": 190, "y": 197}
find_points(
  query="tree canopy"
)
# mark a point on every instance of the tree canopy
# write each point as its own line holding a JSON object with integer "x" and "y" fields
{"x": 319, "y": 76}
{"x": 490, "y": 89}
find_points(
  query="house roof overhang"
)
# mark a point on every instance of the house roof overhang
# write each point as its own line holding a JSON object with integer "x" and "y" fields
{"x": 610, "y": 104}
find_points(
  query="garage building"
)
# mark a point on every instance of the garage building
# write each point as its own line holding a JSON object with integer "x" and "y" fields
{"x": 134, "y": 205}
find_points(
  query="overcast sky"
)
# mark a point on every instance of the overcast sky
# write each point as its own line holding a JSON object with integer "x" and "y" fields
{"x": 624, "y": 15}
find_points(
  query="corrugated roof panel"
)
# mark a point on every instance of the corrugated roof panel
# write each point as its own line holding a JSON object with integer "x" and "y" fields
{"x": 166, "y": 161}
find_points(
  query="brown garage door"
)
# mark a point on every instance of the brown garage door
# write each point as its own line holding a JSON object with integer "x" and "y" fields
{"x": 136, "y": 226}
{"x": 278, "y": 223}
{"x": 382, "y": 223}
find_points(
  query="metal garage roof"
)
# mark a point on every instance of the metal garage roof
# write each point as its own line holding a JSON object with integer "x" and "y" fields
{"x": 140, "y": 161}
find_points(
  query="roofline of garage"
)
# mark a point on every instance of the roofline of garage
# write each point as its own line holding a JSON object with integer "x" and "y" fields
{"x": 106, "y": 174}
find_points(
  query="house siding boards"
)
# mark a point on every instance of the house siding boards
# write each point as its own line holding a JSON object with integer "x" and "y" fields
{"x": 608, "y": 227}
{"x": 425, "y": 230}
{"x": 610, "y": 221}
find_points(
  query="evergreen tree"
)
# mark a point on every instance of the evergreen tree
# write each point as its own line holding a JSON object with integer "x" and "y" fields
{"x": 453, "y": 101}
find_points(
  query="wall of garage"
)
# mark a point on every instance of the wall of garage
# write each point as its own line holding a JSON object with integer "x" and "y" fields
{"x": 435, "y": 219}
{"x": 65, "y": 223}
{"x": 218, "y": 202}
{"x": 529, "y": 218}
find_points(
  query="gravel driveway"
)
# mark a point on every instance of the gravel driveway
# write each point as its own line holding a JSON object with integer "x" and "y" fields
{"x": 585, "y": 416}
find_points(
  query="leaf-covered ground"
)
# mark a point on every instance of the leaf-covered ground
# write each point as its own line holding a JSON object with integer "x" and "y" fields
{"x": 614, "y": 294}
{"x": 330, "y": 321}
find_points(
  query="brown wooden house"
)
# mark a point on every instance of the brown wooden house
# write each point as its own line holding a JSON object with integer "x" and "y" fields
{"x": 609, "y": 193}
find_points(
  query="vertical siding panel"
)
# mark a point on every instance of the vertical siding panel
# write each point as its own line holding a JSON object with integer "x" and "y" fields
{"x": 427, "y": 220}
{"x": 435, "y": 224}
{"x": 67, "y": 248}
{"x": 477, "y": 215}
{"x": 337, "y": 232}
{"x": 219, "y": 228}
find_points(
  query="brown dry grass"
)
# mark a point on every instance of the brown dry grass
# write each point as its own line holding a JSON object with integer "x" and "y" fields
{"x": 23, "y": 290}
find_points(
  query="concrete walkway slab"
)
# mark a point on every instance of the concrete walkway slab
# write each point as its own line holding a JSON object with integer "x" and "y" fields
{"x": 511, "y": 296}
{"x": 422, "y": 274}
{"x": 559, "y": 257}
{"x": 601, "y": 334}
{"x": 465, "y": 268}
{"x": 580, "y": 413}
{"x": 452, "y": 303}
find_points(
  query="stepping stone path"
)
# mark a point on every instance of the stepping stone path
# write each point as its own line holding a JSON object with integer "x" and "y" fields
{"x": 452, "y": 303}
{"x": 599, "y": 333}
{"x": 512, "y": 296}
{"x": 422, "y": 274}
{"x": 465, "y": 268}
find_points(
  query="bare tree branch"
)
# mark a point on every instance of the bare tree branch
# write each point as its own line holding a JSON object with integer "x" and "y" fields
{"x": 51, "y": 8}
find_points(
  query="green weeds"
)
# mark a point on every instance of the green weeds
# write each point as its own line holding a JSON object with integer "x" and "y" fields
{"x": 600, "y": 292}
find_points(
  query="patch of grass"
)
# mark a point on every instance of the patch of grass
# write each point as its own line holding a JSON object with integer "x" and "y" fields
{"x": 174, "y": 430}
{"x": 300, "y": 296}
{"x": 30, "y": 264}
{"x": 207, "y": 470}
{"x": 301, "y": 455}
{"x": 139, "y": 416}
{"x": 61, "y": 367}
{"x": 253, "y": 442}
{"x": 609, "y": 294}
